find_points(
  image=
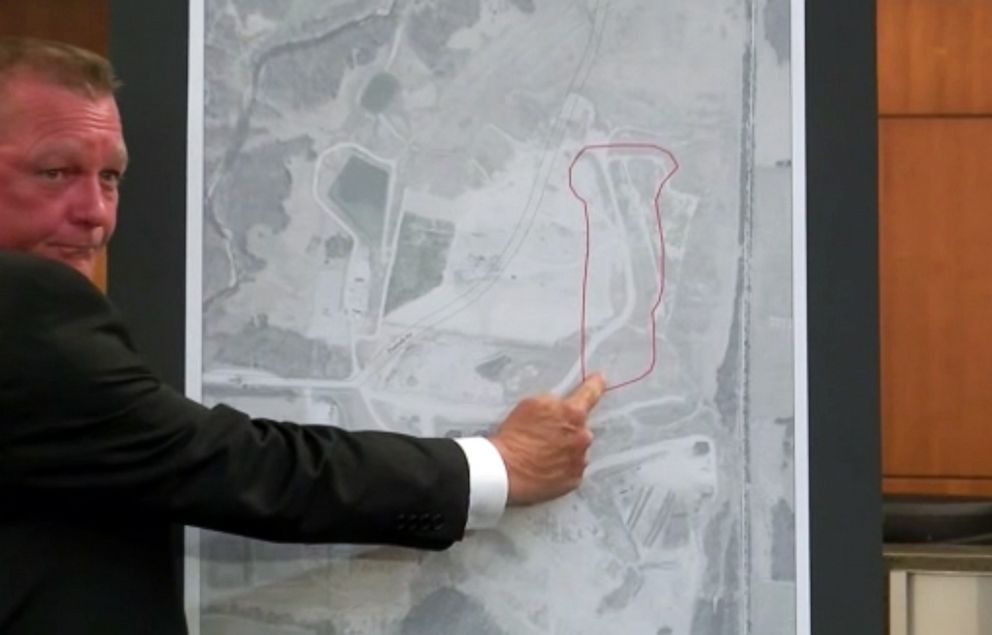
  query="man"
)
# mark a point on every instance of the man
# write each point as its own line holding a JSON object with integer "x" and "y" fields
{"x": 98, "y": 459}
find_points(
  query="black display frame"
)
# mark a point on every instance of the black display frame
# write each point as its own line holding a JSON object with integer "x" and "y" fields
{"x": 147, "y": 263}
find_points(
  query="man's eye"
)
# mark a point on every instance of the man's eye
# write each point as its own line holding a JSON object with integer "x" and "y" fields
{"x": 111, "y": 177}
{"x": 52, "y": 174}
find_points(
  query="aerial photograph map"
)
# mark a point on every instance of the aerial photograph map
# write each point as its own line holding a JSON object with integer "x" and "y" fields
{"x": 417, "y": 212}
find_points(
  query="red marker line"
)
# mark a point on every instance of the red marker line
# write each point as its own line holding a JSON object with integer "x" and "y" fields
{"x": 661, "y": 260}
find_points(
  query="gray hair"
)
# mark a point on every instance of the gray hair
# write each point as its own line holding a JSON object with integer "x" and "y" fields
{"x": 62, "y": 64}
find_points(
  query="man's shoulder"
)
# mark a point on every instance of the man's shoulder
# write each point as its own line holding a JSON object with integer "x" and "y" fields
{"x": 27, "y": 280}
{"x": 17, "y": 265}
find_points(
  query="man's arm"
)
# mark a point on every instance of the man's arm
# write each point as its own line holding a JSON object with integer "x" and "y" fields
{"x": 84, "y": 425}
{"x": 83, "y": 421}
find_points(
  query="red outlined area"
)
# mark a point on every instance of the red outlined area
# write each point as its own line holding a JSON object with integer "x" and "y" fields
{"x": 588, "y": 246}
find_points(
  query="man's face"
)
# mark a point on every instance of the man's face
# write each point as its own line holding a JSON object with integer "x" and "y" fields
{"x": 61, "y": 159}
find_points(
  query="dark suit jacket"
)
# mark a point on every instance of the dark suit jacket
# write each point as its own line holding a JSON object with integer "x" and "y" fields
{"x": 98, "y": 459}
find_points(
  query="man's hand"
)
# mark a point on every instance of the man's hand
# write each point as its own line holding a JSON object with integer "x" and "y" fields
{"x": 544, "y": 443}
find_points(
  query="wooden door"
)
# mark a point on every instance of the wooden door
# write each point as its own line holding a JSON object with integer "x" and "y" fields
{"x": 935, "y": 251}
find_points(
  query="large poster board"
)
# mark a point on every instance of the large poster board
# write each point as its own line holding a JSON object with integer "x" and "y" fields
{"x": 408, "y": 215}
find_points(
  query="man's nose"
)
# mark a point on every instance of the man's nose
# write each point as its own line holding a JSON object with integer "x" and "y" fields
{"x": 92, "y": 204}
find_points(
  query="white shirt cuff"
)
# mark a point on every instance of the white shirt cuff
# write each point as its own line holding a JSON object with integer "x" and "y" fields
{"x": 488, "y": 482}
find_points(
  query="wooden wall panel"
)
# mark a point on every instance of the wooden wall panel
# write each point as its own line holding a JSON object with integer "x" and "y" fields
{"x": 85, "y": 23}
{"x": 936, "y": 296}
{"x": 81, "y": 22}
{"x": 935, "y": 56}
{"x": 943, "y": 486}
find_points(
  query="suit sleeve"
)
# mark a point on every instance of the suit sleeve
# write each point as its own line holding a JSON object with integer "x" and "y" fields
{"x": 84, "y": 423}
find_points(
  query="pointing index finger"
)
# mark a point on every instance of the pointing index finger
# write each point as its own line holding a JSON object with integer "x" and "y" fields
{"x": 588, "y": 393}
